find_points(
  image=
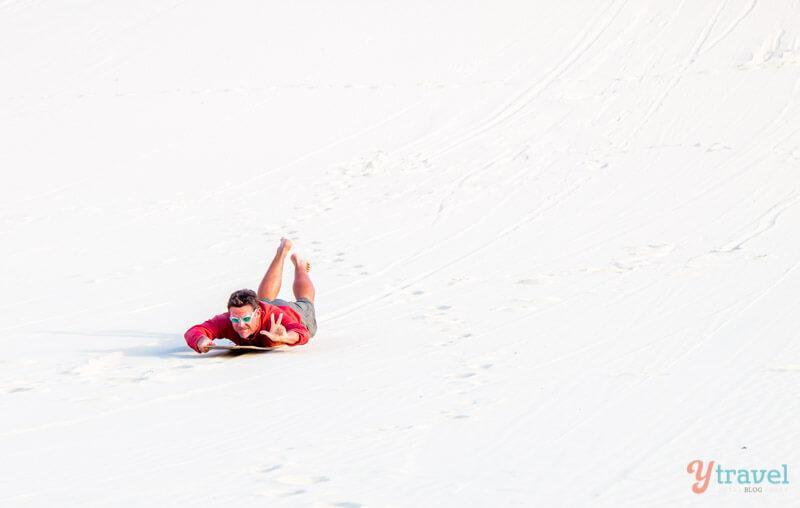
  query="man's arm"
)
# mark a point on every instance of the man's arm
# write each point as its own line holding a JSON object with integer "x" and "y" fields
{"x": 199, "y": 337}
{"x": 290, "y": 333}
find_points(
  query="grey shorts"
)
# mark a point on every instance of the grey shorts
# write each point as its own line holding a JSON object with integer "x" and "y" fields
{"x": 304, "y": 307}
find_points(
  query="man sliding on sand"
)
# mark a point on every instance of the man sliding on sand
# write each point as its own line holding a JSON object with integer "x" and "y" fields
{"x": 261, "y": 319}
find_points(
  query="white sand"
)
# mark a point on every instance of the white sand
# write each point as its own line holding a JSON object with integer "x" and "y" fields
{"x": 555, "y": 249}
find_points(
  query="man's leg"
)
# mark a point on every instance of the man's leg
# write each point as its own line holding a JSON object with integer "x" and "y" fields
{"x": 302, "y": 287}
{"x": 271, "y": 283}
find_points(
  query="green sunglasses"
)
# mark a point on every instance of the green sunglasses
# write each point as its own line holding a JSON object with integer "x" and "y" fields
{"x": 243, "y": 319}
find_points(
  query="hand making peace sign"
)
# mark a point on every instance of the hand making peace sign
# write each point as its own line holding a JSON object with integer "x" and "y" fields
{"x": 277, "y": 332}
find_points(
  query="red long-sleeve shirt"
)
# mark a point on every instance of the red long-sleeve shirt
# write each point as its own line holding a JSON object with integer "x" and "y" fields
{"x": 220, "y": 327}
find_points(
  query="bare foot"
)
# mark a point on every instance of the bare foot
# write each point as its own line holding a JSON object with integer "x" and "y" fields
{"x": 301, "y": 263}
{"x": 284, "y": 247}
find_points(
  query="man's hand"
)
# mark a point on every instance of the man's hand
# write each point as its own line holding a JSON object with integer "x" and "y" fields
{"x": 277, "y": 332}
{"x": 203, "y": 345}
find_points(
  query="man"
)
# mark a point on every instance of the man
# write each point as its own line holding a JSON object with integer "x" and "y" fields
{"x": 261, "y": 319}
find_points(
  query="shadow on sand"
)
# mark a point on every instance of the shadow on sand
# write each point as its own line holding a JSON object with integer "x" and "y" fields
{"x": 169, "y": 345}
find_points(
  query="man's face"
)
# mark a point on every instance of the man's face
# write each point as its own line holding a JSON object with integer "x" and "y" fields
{"x": 239, "y": 317}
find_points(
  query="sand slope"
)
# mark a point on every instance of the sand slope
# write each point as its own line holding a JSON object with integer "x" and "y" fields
{"x": 555, "y": 249}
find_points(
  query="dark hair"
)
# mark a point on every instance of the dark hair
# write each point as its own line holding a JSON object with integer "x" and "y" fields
{"x": 243, "y": 297}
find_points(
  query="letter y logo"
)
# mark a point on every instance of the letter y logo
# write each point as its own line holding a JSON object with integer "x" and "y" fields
{"x": 696, "y": 467}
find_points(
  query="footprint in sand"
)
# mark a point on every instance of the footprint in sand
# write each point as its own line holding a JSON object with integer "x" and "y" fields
{"x": 19, "y": 389}
{"x": 456, "y": 416}
{"x": 269, "y": 469}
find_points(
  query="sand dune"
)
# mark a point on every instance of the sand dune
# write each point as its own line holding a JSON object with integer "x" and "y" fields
{"x": 554, "y": 245}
